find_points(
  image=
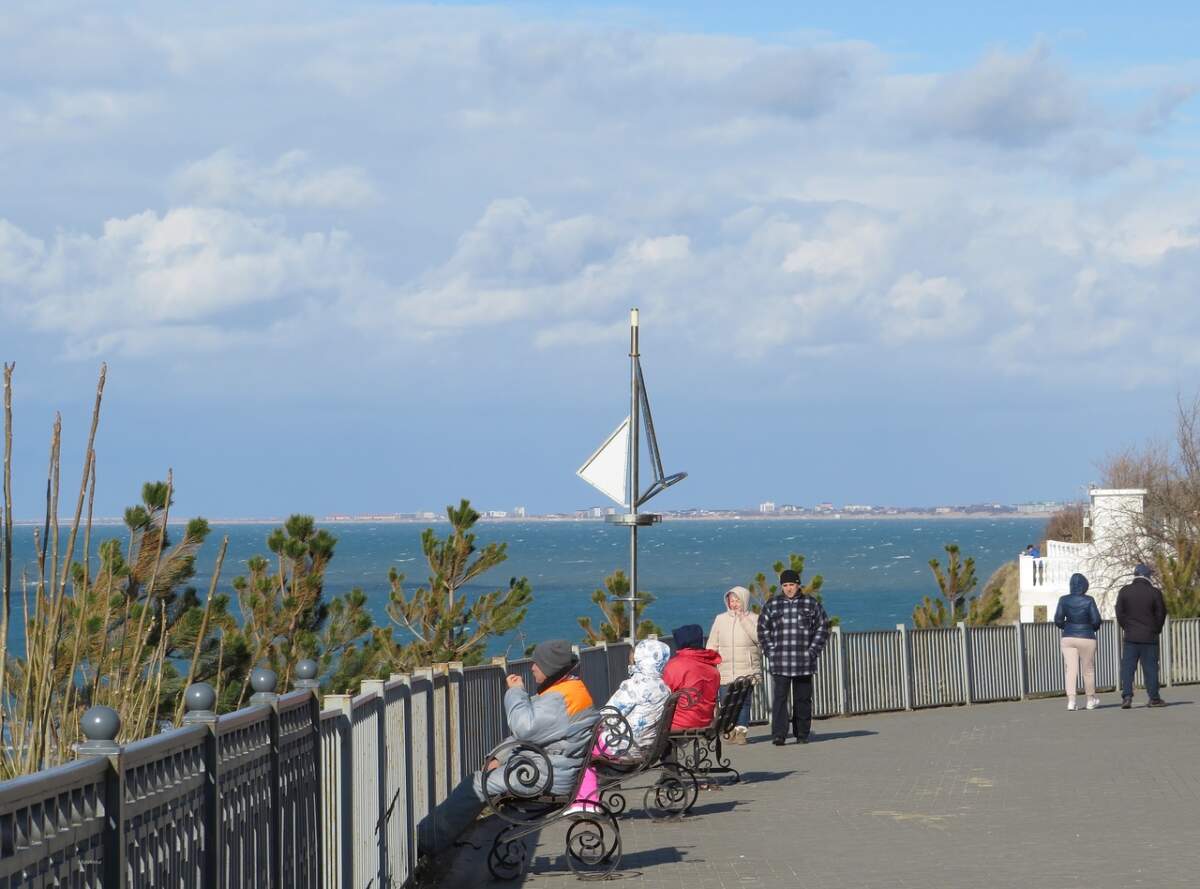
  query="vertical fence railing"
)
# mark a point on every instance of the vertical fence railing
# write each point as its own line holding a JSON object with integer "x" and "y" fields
{"x": 874, "y": 671}
{"x": 1185, "y": 650}
{"x": 593, "y": 670}
{"x": 995, "y": 669}
{"x": 937, "y": 667}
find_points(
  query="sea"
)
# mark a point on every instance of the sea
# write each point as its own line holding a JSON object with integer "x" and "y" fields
{"x": 874, "y": 570}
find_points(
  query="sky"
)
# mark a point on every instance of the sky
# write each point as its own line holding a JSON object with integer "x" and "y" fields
{"x": 376, "y": 257}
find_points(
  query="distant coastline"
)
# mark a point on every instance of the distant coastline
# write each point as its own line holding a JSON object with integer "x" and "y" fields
{"x": 667, "y": 517}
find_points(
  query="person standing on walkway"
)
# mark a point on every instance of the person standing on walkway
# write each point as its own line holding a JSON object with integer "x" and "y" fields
{"x": 1141, "y": 612}
{"x": 734, "y": 636}
{"x": 792, "y": 630}
{"x": 1079, "y": 619}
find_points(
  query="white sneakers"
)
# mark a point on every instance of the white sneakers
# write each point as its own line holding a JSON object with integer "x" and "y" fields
{"x": 1093, "y": 703}
{"x": 1071, "y": 704}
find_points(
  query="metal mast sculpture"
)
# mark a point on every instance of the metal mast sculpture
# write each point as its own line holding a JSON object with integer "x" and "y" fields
{"x": 613, "y": 469}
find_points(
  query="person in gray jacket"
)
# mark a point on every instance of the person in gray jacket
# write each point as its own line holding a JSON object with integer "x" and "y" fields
{"x": 1079, "y": 619}
{"x": 558, "y": 718}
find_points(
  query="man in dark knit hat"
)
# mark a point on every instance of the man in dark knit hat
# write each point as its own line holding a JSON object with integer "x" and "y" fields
{"x": 792, "y": 630}
{"x": 558, "y": 718}
{"x": 1141, "y": 612}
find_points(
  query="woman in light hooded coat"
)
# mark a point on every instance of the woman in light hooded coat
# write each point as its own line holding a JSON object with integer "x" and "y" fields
{"x": 734, "y": 636}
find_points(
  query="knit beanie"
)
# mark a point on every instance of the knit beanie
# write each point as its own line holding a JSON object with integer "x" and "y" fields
{"x": 688, "y": 636}
{"x": 788, "y": 576}
{"x": 554, "y": 657}
{"x": 1143, "y": 570}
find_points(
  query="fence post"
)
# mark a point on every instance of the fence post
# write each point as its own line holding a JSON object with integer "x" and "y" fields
{"x": 906, "y": 659}
{"x": 1022, "y": 685}
{"x": 264, "y": 681}
{"x": 843, "y": 696}
{"x": 454, "y": 690}
{"x": 199, "y": 700}
{"x": 1164, "y": 656}
{"x": 100, "y": 726}
{"x": 964, "y": 642}
{"x": 306, "y": 680}
{"x": 344, "y": 830}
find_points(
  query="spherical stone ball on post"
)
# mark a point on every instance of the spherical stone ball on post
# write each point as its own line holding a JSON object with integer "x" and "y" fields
{"x": 200, "y": 701}
{"x": 306, "y": 675}
{"x": 263, "y": 681}
{"x": 100, "y": 725}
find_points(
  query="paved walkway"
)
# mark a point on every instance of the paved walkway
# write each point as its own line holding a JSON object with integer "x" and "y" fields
{"x": 995, "y": 795}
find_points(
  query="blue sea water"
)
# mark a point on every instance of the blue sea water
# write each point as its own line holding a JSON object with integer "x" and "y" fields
{"x": 874, "y": 570}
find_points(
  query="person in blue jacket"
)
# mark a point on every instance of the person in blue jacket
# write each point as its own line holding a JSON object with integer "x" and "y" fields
{"x": 1079, "y": 619}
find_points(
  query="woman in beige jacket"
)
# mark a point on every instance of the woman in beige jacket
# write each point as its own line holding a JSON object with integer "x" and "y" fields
{"x": 734, "y": 636}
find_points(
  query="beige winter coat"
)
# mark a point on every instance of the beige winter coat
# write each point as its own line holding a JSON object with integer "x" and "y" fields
{"x": 735, "y": 638}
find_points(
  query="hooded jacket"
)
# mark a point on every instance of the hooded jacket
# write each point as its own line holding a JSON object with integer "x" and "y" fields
{"x": 734, "y": 636}
{"x": 641, "y": 697}
{"x": 694, "y": 668}
{"x": 1077, "y": 615}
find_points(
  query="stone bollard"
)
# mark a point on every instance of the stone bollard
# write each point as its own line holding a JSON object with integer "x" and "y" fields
{"x": 306, "y": 675}
{"x": 100, "y": 726}
{"x": 263, "y": 681}
{"x": 200, "y": 702}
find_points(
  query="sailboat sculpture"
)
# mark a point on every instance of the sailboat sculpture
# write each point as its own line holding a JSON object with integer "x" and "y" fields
{"x": 613, "y": 468}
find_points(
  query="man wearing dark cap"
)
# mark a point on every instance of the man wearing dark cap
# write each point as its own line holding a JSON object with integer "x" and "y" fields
{"x": 694, "y": 667}
{"x": 1141, "y": 612}
{"x": 792, "y": 630}
{"x": 558, "y": 718}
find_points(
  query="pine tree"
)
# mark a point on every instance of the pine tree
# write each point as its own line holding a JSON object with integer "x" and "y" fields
{"x": 285, "y": 616}
{"x": 440, "y": 620}
{"x": 615, "y": 627}
{"x": 954, "y": 585}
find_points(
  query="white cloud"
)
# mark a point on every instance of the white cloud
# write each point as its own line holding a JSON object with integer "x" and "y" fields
{"x": 225, "y": 178}
{"x": 171, "y": 278}
{"x": 539, "y": 177}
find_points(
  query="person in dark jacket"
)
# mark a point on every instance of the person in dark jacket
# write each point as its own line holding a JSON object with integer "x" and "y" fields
{"x": 1079, "y": 619}
{"x": 694, "y": 667}
{"x": 792, "y": 630}
{"x": 1141, "y": 613}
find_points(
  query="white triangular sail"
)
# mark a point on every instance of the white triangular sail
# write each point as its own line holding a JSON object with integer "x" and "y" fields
{"x": 607, "y": 470}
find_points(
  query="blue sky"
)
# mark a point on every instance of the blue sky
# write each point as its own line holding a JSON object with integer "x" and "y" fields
{"x": 376, "y": 257}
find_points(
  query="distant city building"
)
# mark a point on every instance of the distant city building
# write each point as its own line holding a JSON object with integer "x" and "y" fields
{"x": 944, "y": 510}
{"x": 766, "y": 507}
{"x": 823, "y": 507}
{"x": 790, "y": 508}
{"x": 518, "y": 512}
{"x": 1046, "y": 506}
{"x": 496, "y": 514}
{"x": 597, "y": 512}
{"x": 856, "y": 507}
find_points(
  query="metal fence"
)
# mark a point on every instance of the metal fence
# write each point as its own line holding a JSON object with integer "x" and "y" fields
{"x": 228, "y": 802}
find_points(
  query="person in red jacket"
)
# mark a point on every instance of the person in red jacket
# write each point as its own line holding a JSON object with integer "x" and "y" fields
{"x": 694, "y": 667}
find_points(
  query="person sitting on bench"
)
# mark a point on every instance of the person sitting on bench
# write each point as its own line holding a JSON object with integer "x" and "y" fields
{"x": 559, "y": 718}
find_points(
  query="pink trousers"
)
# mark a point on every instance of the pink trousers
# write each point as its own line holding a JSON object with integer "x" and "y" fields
{"x": 1076, "y": 652}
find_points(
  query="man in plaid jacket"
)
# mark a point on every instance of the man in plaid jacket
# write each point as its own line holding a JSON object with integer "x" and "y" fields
{"x": 792, "y": 630}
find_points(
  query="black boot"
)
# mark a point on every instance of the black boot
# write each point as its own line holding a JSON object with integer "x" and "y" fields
{"x": 1126, "y": 703}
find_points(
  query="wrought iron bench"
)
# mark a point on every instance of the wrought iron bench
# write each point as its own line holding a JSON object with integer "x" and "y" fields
{"x": 699, "y": 749}
{"x": 526, "y": 805}
{"x": 674, "y": 791}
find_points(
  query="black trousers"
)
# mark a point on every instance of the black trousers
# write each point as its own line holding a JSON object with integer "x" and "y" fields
{"x": 799, "y": 689}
